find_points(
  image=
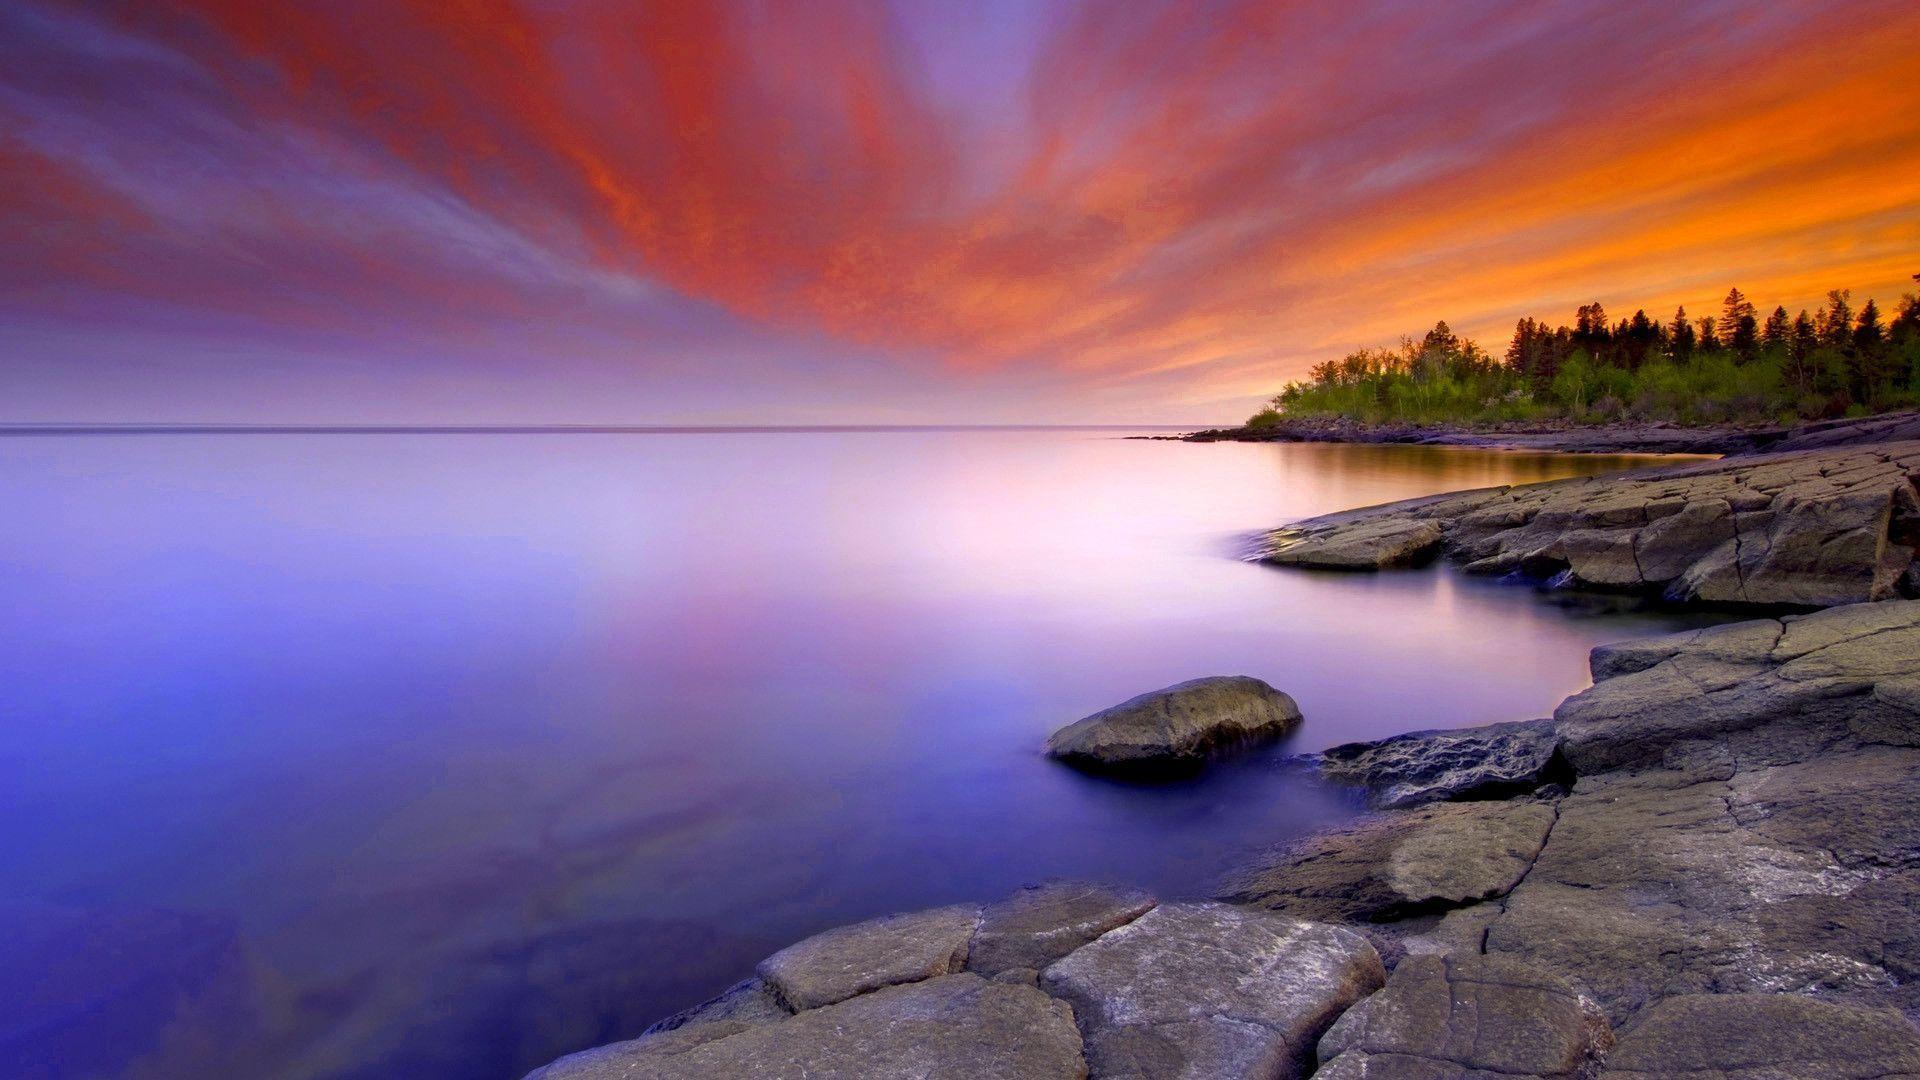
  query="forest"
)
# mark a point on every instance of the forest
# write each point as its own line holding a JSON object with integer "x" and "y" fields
{"x": 1736, "y": 367}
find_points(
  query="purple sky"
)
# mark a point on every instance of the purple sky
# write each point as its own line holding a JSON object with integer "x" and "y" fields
{"x": 844, "y": 212}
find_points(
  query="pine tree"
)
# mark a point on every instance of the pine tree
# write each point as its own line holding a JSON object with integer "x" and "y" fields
{"x": 1680, "y": 335}
{"x": 1740, "y": 324}
{"x": 1835, "y": 321}
{"x": 1709, "y": 338}
{"x": 1777, "y": 330}
{"x": 1805, "y": 339}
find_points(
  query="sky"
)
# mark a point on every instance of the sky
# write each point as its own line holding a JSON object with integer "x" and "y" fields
{"x": 833, "y": 211}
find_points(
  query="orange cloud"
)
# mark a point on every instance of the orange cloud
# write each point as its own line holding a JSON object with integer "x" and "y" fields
{"x": 1229, "y": 189}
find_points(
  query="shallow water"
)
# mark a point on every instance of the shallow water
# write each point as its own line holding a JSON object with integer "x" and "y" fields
{"x": 441, "y": 755}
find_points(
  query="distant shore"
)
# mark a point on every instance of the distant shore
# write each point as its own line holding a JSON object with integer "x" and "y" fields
{"x": 1572, "y": 438}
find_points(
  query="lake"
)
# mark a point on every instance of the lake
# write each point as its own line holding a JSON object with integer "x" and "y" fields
{"x": 442, "y": 754}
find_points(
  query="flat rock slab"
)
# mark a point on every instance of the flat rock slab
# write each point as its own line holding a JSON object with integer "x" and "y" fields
{"x": 954, "y": 1027}
{"x": 1814, "y": 528}
{"x": 850, "y": 960}
{"x": 1178, "y": 727}
{"x": 1392, "y": 865}
{"x": 1433, "y": 766}
{"x": 1458, "y": 1016}
{"x": 1765, "y": 1037}
{"x": 1732, "y": 868}
{"x": 1651, "y": 694}
{"x": 1040, "y": 924}
{"x": 1212, "y": 991}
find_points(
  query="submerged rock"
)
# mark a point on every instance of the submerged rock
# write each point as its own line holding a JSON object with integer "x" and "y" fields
{"x": 1460, "y": 1016}
{"x": 1812, "y": 529}
{"x": 1208, "y": 990}
{"x": 1178, "y": 727}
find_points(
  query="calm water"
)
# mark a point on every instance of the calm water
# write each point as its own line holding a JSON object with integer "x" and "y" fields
{"x": 440, "y": 755}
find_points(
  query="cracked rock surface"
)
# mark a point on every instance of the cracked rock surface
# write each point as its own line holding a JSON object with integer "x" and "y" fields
{"x": 1467, "y": 1017}
{"x": 1744, "y": 819}
{"x": 1211, "y": 990}
{"x": 1812, "y": 528}
{"x": 1433, "y": 766}
{"x": 851, "y": 960}
{"x": 1765, "y": 1037}
{"x": 1126, "y": 987}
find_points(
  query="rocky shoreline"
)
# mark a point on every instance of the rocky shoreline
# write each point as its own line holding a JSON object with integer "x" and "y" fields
{"x": 1570, "y": 438}
{"x": 1704, "y": 867}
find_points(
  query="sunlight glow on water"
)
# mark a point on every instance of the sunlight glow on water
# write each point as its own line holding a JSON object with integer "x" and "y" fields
{"x": 361, "y": 756}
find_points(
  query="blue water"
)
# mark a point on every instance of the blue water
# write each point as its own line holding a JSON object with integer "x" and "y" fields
{"x": 440, "y": 755}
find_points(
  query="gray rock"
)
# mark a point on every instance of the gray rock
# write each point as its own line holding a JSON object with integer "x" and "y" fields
{"x": 1432, "y": 766}
{"x": 1372, "y": 538}
{"x": 953, "y": 1027}
{"x": 1765, "y": 1037}
{"x": 1212, "y": 991}
{"x": 1829, "y": 434}
{"x": 1042, "y": 923}
{"x": 741, "y": 1006}
{"x": 1812, "y": 669}
{"x": 1177, "y": 727}
{"x": 1814, "y": 529}
{"x": 1459, "y": 1016}
{"x": 1394, "y": 865}
{"x": 1771, "y": 860}
{"x": 850, "y": 960}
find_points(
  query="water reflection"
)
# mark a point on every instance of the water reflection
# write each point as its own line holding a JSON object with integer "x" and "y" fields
{"x": 372, "y": 756}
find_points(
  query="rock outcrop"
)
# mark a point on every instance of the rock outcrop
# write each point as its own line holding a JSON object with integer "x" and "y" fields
{"x": 1567, "y": 437}
{"x": 1433, "y": 766}
{"x": 1744, "y": 818}
{"x": 1208, "y": 990}
{"x": 1177, "y": 728}
{"x": 1808, "y": 529}
{"x": 1043, "y": 923}
{"x": 1713, "y": 855}
{"x": 1463, "y": 1015}
{"x": 1765, "y": 1037}
{"x": 852, "y": 960}
{"x": 950, "y": 1026}
{"x": 1058, "y": 978}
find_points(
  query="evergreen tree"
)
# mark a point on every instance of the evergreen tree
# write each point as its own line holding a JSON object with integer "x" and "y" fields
{"x": 1709, "y": 337}
{"x": 1868, "y": 333}
{"x": 1806, "y": 335}
{"x": 1835, "y": 321}
{"x": 1800, "y": 346}
{"x": 1740, "y": 325}
{"x": 1637, "y": 337}
{"x": 1777, "y": 330}
{"x": 1906, "y": 321}
{"x": 1680, "y": 337}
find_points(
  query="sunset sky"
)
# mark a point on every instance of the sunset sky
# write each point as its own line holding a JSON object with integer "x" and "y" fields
{"x": 919, "y": 211}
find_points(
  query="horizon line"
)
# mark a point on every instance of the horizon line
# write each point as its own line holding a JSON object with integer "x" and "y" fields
{"x": 86, "y": 428}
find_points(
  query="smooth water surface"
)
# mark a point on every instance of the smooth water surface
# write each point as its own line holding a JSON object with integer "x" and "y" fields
{"x": 418, "y": 755}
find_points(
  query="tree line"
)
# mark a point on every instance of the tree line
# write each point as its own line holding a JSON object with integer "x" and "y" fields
{"x": 1736, "y": 366}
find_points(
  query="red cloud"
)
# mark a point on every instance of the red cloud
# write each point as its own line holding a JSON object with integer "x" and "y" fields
{"x": 1209, "y": 184}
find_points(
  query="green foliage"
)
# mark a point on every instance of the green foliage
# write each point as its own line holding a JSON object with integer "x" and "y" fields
{"x": 1635, "y": 370}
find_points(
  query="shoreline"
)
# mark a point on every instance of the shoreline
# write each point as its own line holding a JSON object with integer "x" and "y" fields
{"x": 1708, "y": 849}
{"x": 1571, "y": 438}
